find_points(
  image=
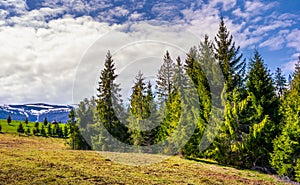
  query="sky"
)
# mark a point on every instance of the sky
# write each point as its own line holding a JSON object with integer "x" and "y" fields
{"x": 52, "y": 51}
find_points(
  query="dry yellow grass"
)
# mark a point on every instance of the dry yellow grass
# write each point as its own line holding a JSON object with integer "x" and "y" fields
{"x": 37, "y": 160}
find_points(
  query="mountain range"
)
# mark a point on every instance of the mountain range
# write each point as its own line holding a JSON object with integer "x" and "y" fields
{"x": 36, "y": 112}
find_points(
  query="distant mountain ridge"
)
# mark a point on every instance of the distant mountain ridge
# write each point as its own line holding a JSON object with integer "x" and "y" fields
{"x": 36, "y": 112}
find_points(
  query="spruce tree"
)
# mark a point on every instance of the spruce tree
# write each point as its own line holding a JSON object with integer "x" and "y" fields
{"x": 229, "y": 59}
{"x": 66, "y": 131}
{"x": 139, "y": 110}
{"x": 286, "y": 156}
{"x": 36, "y": 124}
{"x": 45, "y": 121}
{"x": 164, "y": 82}
{"x": 76, "y": 140}
{"x": 280, "y": 82}
{"x": 27, "y": 132}
{"x": 259, "y": 114}
{"x": 26, "y": 121}
{"x": 109, "y": 106}
{"x": 8, "y": 119}
{"x": 85, "y": 113}
{"x": 49, "y": 130}
{"x": 233, "y": 69}
{"x": 43, "y": 131}
{"x": 86, "y": 118}
{"x": 37, "y": 129}
{"x": 259, "y": 86}
{"x": 197, "y": 66}
{"x": 20, "y": 128}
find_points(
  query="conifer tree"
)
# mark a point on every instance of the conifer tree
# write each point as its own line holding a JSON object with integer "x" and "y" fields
{"x": 229, "y": 59}
{"x": 233, "y": 69}
{"x": 36, "y": 129}
{"x": 49, "y": 130}
{"x": 109, "y": 106}
{"x": 164, "y": 82}
{"x": 85, "y": 113}
{"x": 286, "y": 156}
{"x": 8, "y": 119}
{"x": 45, "y": 121}
{"x": 26, "y": 121}
{"x": 197, "y": 61}
{"x": 76, "y": 141}
{"x": 280, "y": 82}
{"x": 255, "y": 117}
{"x": 86, "y": 118}
{"x": 139, "y": 110}
{"x": 259, "y": 86}
{"x": 27, "y": 132}
{"x": 20, "y": 128}
{"x": 43, "y": 131}
{"x": 66, "y": 131}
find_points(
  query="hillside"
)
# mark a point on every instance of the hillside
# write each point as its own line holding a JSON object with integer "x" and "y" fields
{"x": 37, "y": 160}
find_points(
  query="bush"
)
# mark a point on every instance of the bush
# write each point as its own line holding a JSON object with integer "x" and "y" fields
{"x": 297, "y": 170}
{"x": 27, "y": 131}
{"x": 20, "y": 128}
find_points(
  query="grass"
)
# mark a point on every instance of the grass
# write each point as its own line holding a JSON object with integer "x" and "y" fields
{"x": 13, "y": 126}
{"x": 38, "y": 160}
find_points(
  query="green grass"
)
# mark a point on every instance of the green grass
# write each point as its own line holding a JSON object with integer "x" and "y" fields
{"x": 38, "y": 160}
{"x": 13, "y": 126}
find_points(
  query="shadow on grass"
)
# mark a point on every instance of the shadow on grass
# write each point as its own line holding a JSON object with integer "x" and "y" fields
{"x": 207, "y": 161}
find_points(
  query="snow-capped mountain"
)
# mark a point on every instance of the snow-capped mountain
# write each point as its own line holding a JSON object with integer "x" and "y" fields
{"x": 36, "y": 112}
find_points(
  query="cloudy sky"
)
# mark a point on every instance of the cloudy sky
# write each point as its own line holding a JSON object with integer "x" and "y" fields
{"x": 52, "y": 51}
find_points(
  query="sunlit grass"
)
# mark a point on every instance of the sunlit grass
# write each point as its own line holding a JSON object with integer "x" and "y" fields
{"x": 38, "y": 160}
{"x": 13, "y": 126}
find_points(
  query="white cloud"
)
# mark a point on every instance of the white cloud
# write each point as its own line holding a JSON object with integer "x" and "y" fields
{"x": 294, "y": 39}
{"x": 41, "y": 55}
{"x": 226, "y": 5}
{"x": 40, "y": 64}
{"x": 136, "y": 16}
{"x": 274, "y": 43}
{"x": 257, "y": 7}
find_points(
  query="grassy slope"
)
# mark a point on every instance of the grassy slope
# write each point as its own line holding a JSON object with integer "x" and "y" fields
{"x": 37, "y": 160}
{"x": 13, "y": 126}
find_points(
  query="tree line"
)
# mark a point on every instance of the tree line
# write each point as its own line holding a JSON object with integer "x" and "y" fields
{"x": 256, "y": 114}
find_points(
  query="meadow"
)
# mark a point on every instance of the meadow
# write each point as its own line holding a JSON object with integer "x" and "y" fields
{"x": 40, "y": 160}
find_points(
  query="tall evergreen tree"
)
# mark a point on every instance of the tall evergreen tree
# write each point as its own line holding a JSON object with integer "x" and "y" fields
{"x": 8, "y": 119}
{"x": 86, "y": 117}
{"x": 258, "y": 115}
{"x": 141, "y": 105}
{"x": 233, "y": 69}
{"x": 198, "y": 66}
{"x": 164, "y": 82}
{"x": 76, "y": 140}
{"x": 172, "y": 106}
{"x": 137, "y": 98}
{"x": 280, "y": 82}
{"x": 109, "y": 105}
{"x": 286, "y": 155}
{"x": 229, "y": 59}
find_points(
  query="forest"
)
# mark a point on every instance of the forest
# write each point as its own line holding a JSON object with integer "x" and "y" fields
{"x": 213, "y": 104}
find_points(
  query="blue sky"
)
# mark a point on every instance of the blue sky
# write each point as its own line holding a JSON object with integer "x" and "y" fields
{"x": 48, "y": 46}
